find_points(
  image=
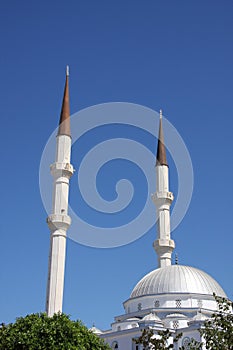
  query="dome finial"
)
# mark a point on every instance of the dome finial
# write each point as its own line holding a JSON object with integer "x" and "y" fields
{"x": 176, "y": 259}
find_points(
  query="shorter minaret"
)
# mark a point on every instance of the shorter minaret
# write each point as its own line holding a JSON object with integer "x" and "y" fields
{"x": 59, "y": 221}
{"x": 162, "y": 198}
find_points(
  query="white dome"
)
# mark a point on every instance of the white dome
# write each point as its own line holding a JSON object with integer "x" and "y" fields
{"x": 151, "y": 317}
{"x": 177, "y": 315}
{"x": 200, "y": 317}
{"x": 95, "y": 330}
{"x": 177, "y": 279}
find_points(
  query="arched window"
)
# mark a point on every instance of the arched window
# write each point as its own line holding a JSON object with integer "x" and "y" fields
{"x": 114, "y": 345}
{"x": 186, "y": 342}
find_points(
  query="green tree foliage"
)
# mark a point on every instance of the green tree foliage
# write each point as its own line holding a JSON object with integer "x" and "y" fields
{"x": 40, "y": 332}
{"x": 218, "y": 331}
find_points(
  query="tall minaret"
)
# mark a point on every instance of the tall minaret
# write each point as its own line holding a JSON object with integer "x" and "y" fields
{"x": 162, "y": 198}
{"x": 59, "y": 221}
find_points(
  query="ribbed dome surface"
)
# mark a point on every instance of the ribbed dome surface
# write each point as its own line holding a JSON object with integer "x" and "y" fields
{"x": 177, "y": 279}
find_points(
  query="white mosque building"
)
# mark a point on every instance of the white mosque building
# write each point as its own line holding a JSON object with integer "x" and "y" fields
{"x": 175, "y": 297}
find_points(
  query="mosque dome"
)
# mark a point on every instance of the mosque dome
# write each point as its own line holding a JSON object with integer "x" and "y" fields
{"x": 151, "y": 317}
{"x": 95, "y": 330}
{"x": 177, "y": 279}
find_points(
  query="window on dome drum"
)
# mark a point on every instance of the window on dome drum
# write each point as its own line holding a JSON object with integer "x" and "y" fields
{"x": 185, "y": 343}
{"x": 118, "y": 329}
{"x": 156, "y": 303}
{"x": 175, "y": 324}
{"x": 178, "y": 303}
{"x": 139, "y": 306}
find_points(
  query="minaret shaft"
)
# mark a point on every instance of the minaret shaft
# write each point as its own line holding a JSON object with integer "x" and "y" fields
{"x": 162, "y": 178}
{"x": 59, "y": 221}
{"x": 163, "y": 198}
{"x": 56, "y": 273}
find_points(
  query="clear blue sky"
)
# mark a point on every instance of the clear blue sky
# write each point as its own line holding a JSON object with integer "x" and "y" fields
{"x": 172, "y": 54}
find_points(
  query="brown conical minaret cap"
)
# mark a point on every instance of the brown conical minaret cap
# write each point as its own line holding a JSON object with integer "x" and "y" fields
{"x": 161, "y": 158}
{"x": 64, "y": 123}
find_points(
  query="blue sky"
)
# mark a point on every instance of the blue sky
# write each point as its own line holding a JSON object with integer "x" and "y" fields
{"x": 175, "y": 55}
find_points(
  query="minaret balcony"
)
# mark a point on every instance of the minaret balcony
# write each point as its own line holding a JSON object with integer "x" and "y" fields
{"x": 164, "y": 246}
{"x": 58, "y": 222}
{"x": 161, "y": 198}
{"x": 61, "y": 169}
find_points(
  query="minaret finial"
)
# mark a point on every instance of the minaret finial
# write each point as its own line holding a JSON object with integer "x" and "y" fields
{"x": 64, "y": 123}
{"x": 67, "y": 70}
{"x": 161, "y": 158}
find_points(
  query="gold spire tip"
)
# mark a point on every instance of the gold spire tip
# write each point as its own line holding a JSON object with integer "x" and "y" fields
{"x": 67, "y": 71}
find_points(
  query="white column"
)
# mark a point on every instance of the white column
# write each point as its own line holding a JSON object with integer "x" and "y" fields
{"x": 58, "y": 222}
{"x": 163, "y": 245}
